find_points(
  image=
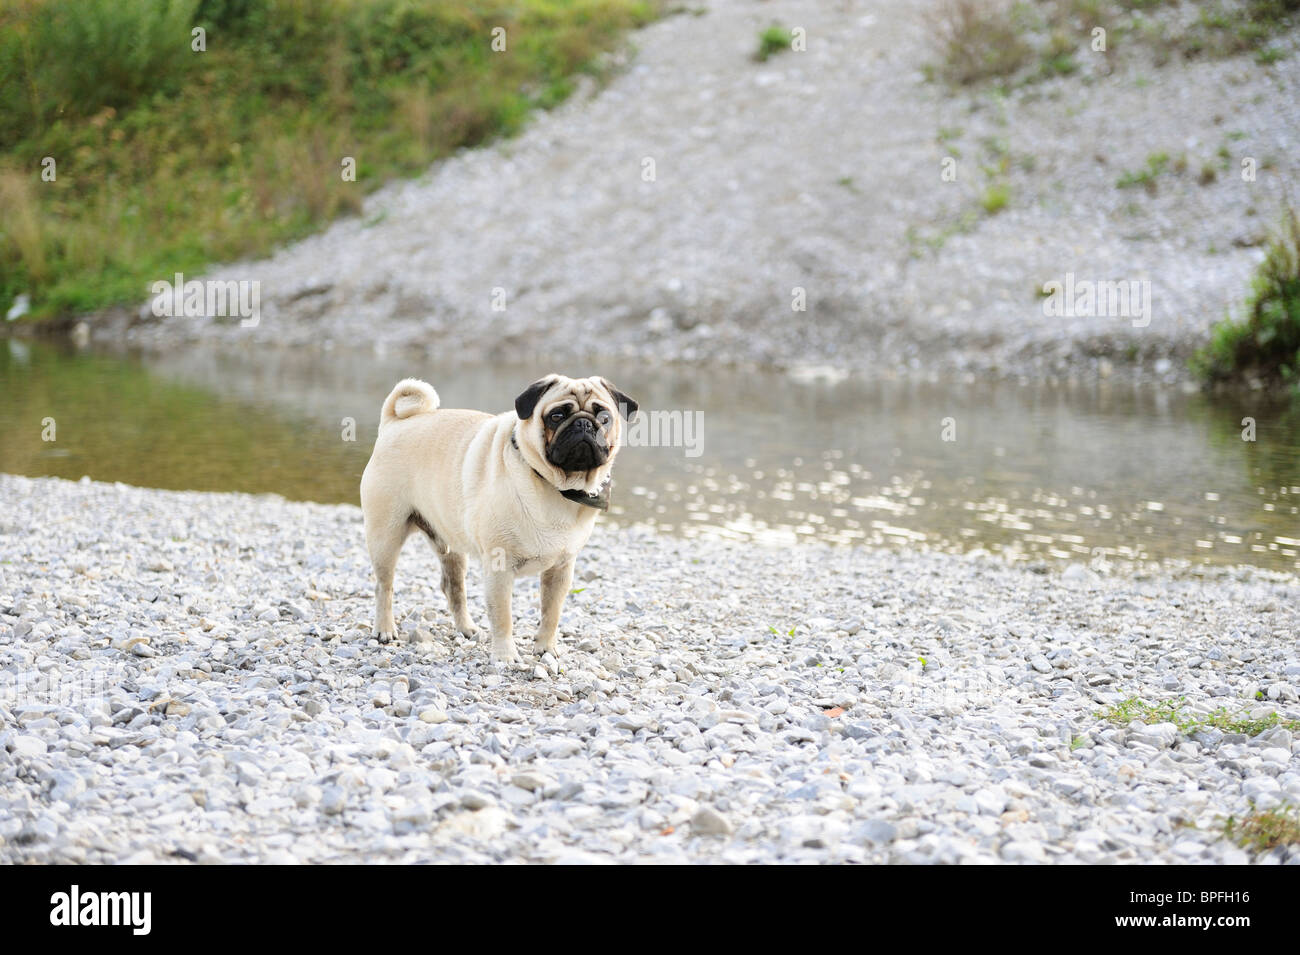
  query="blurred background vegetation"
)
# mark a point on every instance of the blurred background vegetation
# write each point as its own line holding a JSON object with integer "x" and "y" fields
{"x": 168, "y": 159}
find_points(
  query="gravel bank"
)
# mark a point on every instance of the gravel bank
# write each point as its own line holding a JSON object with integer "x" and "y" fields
{"x": 216, "y": 696}
{"x": 821, "y": 170}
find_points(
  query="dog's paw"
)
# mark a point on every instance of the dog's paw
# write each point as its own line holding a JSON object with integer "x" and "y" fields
{"x": 468, "y": 630}
{"x": 505, "y": 654}
{"x": 386, "y": 636}
{"x": 549, "y": 645}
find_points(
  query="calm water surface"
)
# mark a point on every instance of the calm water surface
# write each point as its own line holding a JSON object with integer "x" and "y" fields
{"x": 1098, "y": 472}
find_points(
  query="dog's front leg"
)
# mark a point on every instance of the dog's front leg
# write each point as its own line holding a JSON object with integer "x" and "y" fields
{"x": 555, "y": 587}
{"x": 498, "y": 585}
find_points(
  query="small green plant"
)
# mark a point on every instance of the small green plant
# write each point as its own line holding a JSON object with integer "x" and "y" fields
{"x": 977, "y": 41}
{"x": 1266, "y": 342}
{"x": 1058, "y": 58}
{"x": 1267, "y": 829}
{"x": 995, "y": 198}
{"x": 1145, "y": 177}
{"x": 1221, "y": 719}
{"x": 1171, "y": 711}
{"x": 1134, "y": 708}
{"x": 919, "y": 242}
{"x": 577, "y": 590}
{"x": 771, "y": 41}
{"x": 788, "y": 633}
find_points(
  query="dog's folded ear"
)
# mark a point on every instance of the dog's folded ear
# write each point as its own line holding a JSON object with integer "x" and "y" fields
{"x": 626, "y": 405}
{"x": 527, "y": 401}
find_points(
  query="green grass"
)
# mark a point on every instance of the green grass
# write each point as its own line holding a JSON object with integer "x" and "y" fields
{"x": 771, "y": 41}
{"x": 1223, "y": 31}
{"x": 848, "y": 183}
{"x": 1263, "y": 830}
{"x": 170, "y": 159}
{"x": 1135, "y": 709}
{"x": 920, "y": 242}
{"x": 1145, "y": 177}
{"x": 1057, "y": 59}
{"x": 1172, "y": 711}
{"x": 1266, "y": 342}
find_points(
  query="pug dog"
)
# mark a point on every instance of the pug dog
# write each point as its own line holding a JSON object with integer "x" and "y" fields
{"x": 518, "y": 492}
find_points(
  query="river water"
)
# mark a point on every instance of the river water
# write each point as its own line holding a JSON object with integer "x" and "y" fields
{"x": 1099, "y": 472}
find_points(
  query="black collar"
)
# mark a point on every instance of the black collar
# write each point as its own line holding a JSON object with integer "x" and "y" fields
{"x": 599, "y": 500}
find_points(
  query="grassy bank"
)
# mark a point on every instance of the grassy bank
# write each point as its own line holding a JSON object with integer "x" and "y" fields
{"x": 1264, "y": 344}
{"x": 166, "y": 158}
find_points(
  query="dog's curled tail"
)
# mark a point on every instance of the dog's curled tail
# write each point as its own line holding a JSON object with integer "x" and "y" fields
{"x": 411, "y": 397}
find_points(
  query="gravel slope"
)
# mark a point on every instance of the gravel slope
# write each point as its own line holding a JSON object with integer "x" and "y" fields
{"x": 216, "y": 696}
{"x": 817, "y": 169}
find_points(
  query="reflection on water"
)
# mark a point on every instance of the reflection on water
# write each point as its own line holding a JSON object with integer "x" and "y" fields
{"x": 1094, "y": 472}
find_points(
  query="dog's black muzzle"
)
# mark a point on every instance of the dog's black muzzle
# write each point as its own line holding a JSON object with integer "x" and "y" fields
{"x": 578, "y": 444}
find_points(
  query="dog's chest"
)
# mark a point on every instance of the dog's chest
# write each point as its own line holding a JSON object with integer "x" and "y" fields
{"x": 535, "y": 547}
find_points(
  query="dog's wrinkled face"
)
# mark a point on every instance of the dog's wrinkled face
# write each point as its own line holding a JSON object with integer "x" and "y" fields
{"x": 575, "y": 423}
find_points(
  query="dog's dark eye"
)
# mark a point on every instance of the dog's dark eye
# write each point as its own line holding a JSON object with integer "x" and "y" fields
{"x": 556, "y": 416}
{"x": 603, "y": 418}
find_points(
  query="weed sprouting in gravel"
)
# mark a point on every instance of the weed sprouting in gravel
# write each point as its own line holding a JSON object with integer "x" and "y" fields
{"x": 1145, "y": 177}
{"x": 977, "y": 41}
{"x": 995, "y": 198}
{"x": 771, "y": 41}
{"x": 1260, "y": 830}
{"x": 1136, "y": 709}
{"x": 1172, "y": 711}
{"x": 1241, "y": 723}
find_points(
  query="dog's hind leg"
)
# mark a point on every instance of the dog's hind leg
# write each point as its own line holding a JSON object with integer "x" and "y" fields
{"x": 453, "y": 574}
{"x": 384, "y": 539}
